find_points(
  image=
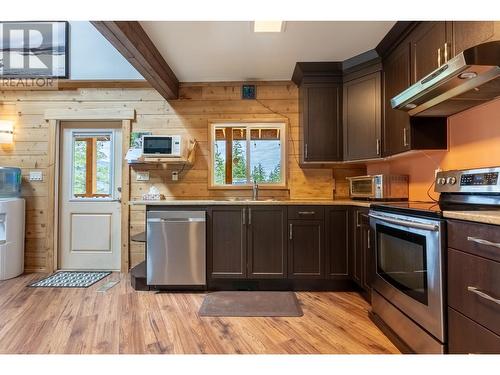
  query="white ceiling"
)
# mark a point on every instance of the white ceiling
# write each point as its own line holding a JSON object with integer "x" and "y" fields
{"x": 231, "y": 51}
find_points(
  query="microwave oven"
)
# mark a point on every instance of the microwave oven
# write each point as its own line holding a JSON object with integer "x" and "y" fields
{"x": 379, "y": 187}
{"x": 164, "y": 146}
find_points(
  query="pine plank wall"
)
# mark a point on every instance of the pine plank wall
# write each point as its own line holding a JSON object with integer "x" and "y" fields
{"x": 198, "y": 104}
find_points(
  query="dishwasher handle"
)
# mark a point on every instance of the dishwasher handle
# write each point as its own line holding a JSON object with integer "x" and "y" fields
{"x": 175, "y": 220}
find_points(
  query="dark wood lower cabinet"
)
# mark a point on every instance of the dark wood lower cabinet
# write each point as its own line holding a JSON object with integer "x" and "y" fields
{"x": 266, "y": 233}
{"x": 306, "y": 249}
{"x": 336, "y": 242}
{"x": 467, "y": 337}
{"x": 362, "y": 265}
{"x": 284, "y": 247}
{"x": 473, "y": 287}
{"x": 227, "y": 237}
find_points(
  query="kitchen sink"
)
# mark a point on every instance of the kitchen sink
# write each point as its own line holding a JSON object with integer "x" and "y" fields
{"x": 250, "y": 200}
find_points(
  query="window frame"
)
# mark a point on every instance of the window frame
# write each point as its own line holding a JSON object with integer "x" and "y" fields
{"x": 281, "y": 124}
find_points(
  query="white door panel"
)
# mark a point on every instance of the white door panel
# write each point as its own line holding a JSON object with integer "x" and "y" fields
{"x": 93, "y": 223}
{"x": 89, "y": 218}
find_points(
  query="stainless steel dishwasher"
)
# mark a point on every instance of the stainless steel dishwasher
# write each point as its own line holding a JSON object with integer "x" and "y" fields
{"x": 176, "y": 248}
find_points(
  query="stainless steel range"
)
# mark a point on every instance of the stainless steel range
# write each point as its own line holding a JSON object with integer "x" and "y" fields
{"x": 409, "y": 284}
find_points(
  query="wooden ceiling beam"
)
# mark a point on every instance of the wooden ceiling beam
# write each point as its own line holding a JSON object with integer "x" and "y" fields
{"x": 130, "y": 39}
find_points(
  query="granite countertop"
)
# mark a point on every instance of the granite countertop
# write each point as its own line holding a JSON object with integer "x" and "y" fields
{"x": 263, "y": 202}
{"x": 486, "y": 217}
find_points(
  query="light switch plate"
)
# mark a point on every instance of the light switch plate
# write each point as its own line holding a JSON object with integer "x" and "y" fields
{"x": 142, "y": 176}
{"x": 36, "y": 176}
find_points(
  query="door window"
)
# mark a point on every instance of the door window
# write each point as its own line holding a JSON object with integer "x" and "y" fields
{"x": 92, "y": 165}
{"x": 402, "y": 261}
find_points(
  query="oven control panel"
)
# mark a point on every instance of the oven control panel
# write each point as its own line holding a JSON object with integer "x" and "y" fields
{"x": 483, "y": 180}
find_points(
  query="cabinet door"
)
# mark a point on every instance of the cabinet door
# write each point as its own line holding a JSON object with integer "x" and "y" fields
{"x": 362, "y": 117}
{"x": 336, "y": 249}
{"x": 305, "y": 249}
{"x": 267, "y": 242}
{"x": 467, "y": 34}
{"x": 227, "y": 256}
{"x": 321, "y": 122}
{"x": 368, "y": 253}
{"x": 397, "y": 78}
{"x": 428, "y": 44}
{"x": 356, "y": 247}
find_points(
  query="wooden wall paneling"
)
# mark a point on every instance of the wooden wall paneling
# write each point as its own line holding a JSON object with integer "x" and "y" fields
{"x": 51, "y": 263}
{"x": 31, "y": 149}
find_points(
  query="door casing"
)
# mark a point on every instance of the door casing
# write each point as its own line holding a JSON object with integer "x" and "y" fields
{"x": 54, "y": 118}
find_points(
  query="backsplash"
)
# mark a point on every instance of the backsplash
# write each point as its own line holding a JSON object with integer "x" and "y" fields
{"x": 473, "y": 139}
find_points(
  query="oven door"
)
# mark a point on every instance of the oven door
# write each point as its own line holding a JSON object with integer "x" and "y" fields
{"x": 409, "y": 267}
{"x": 362, "y": 187}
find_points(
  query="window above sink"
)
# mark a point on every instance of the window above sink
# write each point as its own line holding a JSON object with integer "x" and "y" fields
{"x": 243, "y": 152}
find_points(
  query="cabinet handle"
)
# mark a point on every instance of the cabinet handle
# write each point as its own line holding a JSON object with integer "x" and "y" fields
{"x": 358, "y": 224}
{"x": 307, "y": 212}
{"x": 378, "y": 146}
{"x": 446, "y": 52}
{"x": 483, "y": 242}
{"x": 483, "y": 294}
{"x": 291, "y": 232}
{"x": 368, "y": 240}
{"x": 243, "y": 220}
{"x": 305, "y": 151}
{"x": 249, "y": 216}
{"x": 439, "y": 57}
{"x": 405, "y": 138}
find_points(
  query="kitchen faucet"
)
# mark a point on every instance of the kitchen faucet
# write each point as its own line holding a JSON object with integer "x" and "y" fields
{"x": 255, "y": 190}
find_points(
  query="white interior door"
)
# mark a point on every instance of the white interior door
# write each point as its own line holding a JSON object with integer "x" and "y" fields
{"x": 89, "y": 213}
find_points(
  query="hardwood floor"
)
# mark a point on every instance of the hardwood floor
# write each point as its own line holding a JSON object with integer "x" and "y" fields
{"x": 40, "y": 320}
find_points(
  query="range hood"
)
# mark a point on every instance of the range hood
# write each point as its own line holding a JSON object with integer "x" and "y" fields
{"x": 469, "y": 79}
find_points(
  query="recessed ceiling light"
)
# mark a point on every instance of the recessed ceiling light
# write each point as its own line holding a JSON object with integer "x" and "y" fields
{"x": 268, "y": 26}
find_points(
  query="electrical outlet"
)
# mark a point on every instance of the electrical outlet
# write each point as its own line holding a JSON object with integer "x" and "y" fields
{"x": 36, "y": 176}
{"x": 175, "y": 176}
{"x": 142, "y": 176}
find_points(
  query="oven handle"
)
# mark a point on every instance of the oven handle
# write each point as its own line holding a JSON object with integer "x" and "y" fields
{"x": 406, "y": 223}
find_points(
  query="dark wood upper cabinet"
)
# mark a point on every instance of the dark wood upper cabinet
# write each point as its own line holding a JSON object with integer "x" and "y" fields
{"x": 409, "y": 60}
{"x": 397, "y": 77}
{"x": 430, "y": 48}
{"x": 336, "y": 242}
{"x": 227, "y": 250}
{"x": 362, "y": 116}
{"x": 267, "y": 255}
{"x": 320, "y": 107}
{"x": 466, "y": 34}
{"x": 305, "y": 249}
{"x": 321, "y": 122}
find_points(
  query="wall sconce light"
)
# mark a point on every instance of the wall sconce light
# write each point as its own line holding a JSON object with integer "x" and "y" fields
{"x": 6, "y": 131}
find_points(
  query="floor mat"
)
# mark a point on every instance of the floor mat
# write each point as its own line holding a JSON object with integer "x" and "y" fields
{"x": 250, "y": 303}
{"x": 70, "y": 279}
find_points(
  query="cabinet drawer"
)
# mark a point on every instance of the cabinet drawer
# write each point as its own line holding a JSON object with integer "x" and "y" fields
{"x": 465, "y": 336}
{"x": 474, "y": 288}
{"x": 306, "y": 212}
{"x": 478, "y": 239}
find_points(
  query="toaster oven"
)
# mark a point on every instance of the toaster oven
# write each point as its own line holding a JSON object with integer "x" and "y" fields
{"x": 379, "y": 187}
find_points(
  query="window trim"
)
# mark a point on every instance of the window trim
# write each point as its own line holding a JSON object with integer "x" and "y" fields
{"x": 262, "y": 123}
